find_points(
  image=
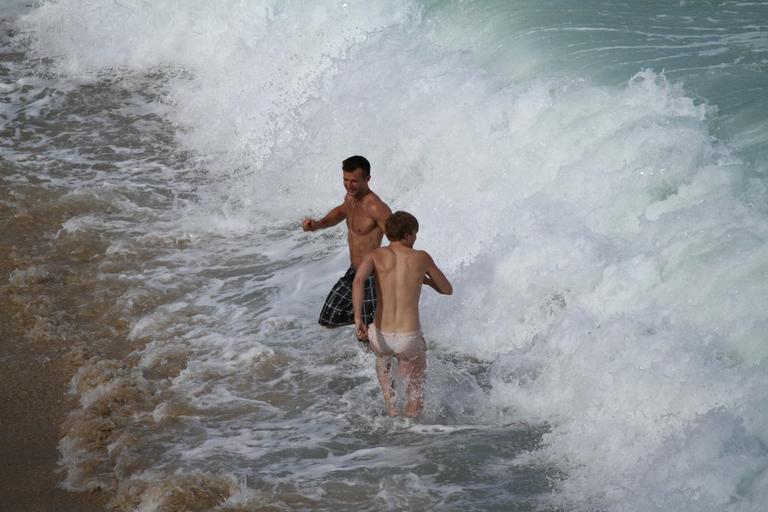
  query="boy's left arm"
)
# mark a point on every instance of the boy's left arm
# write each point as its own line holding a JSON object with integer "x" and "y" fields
{"x": 434, "y": 277}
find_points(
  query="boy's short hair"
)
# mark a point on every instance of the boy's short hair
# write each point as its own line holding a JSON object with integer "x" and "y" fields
{"x": 400, "y": 224}
{"x": 357, "y": 162}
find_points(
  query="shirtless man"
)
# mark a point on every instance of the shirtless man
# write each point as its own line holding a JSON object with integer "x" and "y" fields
{"x": 399, "y": 271}
{"x": 365, "y": 214}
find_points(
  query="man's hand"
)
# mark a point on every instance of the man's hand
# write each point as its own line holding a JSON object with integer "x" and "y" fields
{"x": 333, "y": 217}
{"x": 361, "y": 330}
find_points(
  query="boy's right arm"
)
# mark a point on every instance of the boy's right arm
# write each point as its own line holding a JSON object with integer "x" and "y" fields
{"x": 333, "y": 217}
{"x": 435, "y": 278}
{"x": 363, "y": 271}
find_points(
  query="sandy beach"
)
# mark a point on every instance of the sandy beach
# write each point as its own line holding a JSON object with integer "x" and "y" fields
{"x": 32, "y": 408}
{"x": 42, "y": 340}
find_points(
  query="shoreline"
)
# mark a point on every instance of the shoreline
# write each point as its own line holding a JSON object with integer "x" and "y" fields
{"x": 34, "y": 405}
{"x": 43, "y": 341}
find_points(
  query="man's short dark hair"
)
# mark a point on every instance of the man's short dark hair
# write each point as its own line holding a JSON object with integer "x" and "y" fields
{"x": 400, "y": 224}
{"x": 357, "y": 162}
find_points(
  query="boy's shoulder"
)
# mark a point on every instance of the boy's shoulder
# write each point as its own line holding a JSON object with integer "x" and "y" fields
{"x": 385, "y": 251}
{"x": 422, "y": 253}
{"x": 379, "y": 253}
{"x": 422, "y": 257}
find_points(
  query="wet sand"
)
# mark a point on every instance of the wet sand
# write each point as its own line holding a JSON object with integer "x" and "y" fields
{"x": 43, "y": 340}
{"x": 33, "y": 405}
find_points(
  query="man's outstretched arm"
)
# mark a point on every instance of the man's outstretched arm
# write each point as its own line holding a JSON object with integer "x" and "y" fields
{"x": 363, "y": 271}
{"x": 435, "y": 277}
{"x": 333, "y": 217}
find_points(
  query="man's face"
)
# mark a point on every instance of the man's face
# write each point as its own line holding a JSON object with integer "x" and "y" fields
{"x": 355, "y": 183}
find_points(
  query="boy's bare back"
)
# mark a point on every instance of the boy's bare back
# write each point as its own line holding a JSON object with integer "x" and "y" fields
{"x": 399, "y": 273}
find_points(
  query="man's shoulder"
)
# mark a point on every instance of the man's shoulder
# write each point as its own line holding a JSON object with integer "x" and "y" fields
{"x": 375, "y": 206}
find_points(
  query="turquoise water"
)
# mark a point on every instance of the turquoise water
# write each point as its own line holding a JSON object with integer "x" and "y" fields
{"x": 716, "y": 50}
{"x": 590, "y": 175}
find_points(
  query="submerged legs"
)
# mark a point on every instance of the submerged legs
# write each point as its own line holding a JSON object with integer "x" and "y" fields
{"x": 387, "y": 383}
{"x": 413, "y": 373}
{"x": 410, "y": 350}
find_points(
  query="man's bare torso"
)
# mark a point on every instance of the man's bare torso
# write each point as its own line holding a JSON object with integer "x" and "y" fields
{"x": 364, "y": 232}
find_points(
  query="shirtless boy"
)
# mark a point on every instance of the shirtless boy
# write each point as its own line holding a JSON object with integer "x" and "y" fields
{"x": 365, "y": 214}
{"x": 399, "y": 272}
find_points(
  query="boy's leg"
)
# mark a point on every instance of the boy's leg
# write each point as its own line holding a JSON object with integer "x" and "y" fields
{"x": 387, "y": 383}
{"x": 413, "y": 373}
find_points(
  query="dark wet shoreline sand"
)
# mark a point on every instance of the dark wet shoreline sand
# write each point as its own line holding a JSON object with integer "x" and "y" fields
{"x": 33, "y": 385}
{"x": 42, "y": 343}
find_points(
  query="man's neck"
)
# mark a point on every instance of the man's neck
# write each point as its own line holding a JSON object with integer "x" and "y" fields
{"x": 360, "y": 195}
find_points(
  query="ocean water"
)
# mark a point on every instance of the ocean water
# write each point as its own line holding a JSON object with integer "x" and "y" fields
{"x": 591, "y": 175}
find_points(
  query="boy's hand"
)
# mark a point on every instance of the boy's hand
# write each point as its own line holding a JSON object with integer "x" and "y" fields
{"x": 361, "y": 330}
{"x": 308, "y": 225}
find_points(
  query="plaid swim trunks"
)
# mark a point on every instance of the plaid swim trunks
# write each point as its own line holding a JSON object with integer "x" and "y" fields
{"x": 337, "y": 310}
